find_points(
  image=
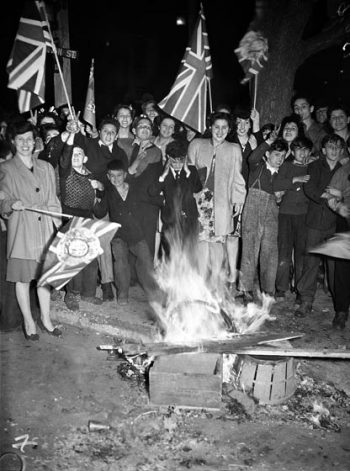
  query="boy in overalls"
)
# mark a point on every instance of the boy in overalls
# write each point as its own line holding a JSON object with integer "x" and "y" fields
{"x": 260, "y": 219}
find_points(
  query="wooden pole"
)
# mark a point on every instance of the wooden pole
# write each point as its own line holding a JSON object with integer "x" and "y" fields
{"x": 236, "y": 342}
{"x": 58, "y": 64}
{"x": 49, "y": 213}
{"x": 255, "y": 90}
{"x": 295, "y": 352}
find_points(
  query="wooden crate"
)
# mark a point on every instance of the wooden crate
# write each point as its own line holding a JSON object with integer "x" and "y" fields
{"x": 189, "y": 380}
{"x": 270, "y": 380}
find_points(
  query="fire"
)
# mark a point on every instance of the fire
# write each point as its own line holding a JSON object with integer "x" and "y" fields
{"x": 193, "y": 309}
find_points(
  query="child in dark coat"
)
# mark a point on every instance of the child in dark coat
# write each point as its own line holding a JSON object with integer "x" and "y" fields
{"x": 121, "y": 203}
{"x": 177, "y": 183}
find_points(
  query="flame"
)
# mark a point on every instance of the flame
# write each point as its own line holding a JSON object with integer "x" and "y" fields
{"x": 192, "y": 308}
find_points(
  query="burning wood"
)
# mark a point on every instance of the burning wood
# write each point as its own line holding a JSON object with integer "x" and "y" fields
{"x": 228, "y": 345}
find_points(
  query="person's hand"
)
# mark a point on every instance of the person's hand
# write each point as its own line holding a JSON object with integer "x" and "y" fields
{"x": 279, "y": 195}
{"x": 343, "y": 210}
{"x": 237, "y": 209}
{"x": 33, "y": 118}
{"x": 301, "y": 179}
{"x": 72, "y": 126}
{"x": 255, "y": 117}
{"x": 187, "y": 170}
{"x": 273, "y": 135}
{"x": 96, "y": 185}
{"x": 165, "y": 171}
{"x": 39, "y": 145}
{"x": 18, "y": 206}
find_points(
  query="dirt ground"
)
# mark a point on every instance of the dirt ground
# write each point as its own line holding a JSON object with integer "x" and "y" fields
{"x": 51, "y": 389}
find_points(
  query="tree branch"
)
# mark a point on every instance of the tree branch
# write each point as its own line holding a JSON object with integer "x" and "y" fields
{"x": 334, "y": 34}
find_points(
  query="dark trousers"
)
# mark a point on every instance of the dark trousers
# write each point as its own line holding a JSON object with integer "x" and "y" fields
{"x": 291, "y": 236}
{"x": 342, "y": 275}
{"x": 85, "y": 282}
{"x": 259, "y": 241}
{"x": 143, "y": 265}
{"x": 308, "y": 282}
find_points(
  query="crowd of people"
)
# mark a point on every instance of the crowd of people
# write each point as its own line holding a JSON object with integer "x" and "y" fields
{"x": 252, "y": 198}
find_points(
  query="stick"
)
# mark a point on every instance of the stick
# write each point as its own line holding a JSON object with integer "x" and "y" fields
{"x": 230, "y": 345}
{"x": 58, "y": 63}
{"x": 255, "y": 90}
{"x": 210, "y": 98}
{"x": 294, "y": 352}
{"x": 49, "y": 213}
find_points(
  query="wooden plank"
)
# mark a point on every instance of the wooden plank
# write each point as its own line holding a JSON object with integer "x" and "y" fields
{"x": 294, "y": 352}
{"x": 186, "y": 380}
{"x": 205, "y": 346}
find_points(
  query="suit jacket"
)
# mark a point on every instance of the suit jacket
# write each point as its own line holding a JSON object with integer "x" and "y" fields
{"x": 229, "y": 184}
{"x": 28, "y": 232}
{"x": 178, "y": 193}
{"x": 99, "y": 156}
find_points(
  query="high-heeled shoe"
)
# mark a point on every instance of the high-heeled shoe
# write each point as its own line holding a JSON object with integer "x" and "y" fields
{"x": 32, "y": 337}
{"x": 56, "y": 332}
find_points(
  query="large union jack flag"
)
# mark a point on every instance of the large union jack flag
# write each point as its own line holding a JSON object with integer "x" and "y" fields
{"x": 187, "y": 100}
{"x": 76, "y": 245}
{"x": 26, "y": 65}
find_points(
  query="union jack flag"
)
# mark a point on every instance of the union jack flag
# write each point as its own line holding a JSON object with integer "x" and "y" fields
{"x": 187, "y": 100}
{"x": 26, "y": 65}
{"x": 89, "y": 109}
{"x": 74, "y": 247}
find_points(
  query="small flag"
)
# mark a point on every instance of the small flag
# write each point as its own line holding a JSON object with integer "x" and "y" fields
{"x": 74, "y": 247}
{"x": 187, "y": 100}
{"x": 26, "y": 65}
{"x": 252, "y": 54}
{"x": 337, "y": 246}
{"x": 89, "y": 114}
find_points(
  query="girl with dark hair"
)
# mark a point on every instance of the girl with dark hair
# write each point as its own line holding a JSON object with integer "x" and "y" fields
{"x": 291, "y": 128}
{"x": 219, "y": 162}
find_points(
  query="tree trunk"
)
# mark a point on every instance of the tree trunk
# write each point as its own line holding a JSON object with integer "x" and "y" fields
{"x": 282, "y": 22}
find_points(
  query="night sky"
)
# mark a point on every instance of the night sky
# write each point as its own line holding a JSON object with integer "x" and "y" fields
{"x": 138, "y": 47}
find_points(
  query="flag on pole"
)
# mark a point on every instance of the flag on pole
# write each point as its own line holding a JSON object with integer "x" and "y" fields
{"x": 187, "y": 99}
{"x": 89, "y": 114}
{"x": 252, "y": 54}
{"x": 337, "y": 246}
{"x": 26, "y": 65}
{"x": 74, "y": 247}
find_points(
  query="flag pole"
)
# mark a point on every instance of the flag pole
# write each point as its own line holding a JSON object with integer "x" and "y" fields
{"x": 58, "y": 64}
{"x": 210, "y": 97}
{"x": 255, "y": 90}
{"x": 49, "y": 213}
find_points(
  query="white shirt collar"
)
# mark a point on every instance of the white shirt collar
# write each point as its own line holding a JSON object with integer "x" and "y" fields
{"x": 273, "y": 170}
{"x": 110, "y": 147}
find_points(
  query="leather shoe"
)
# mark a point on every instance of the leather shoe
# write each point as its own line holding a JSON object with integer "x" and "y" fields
{"x": 56, "y": 332}
{"x": 107, "y": 292}
{"x": 71, "y": 300}
{"x": 91, "y": 300}
{"x": 32, "y": 337}
{"x": 304, "y": 309}
{"x": 246, "y": 297}
{"x": 339, "y": 320}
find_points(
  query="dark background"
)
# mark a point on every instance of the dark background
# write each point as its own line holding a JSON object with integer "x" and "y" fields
{"x": 138, "y": 47}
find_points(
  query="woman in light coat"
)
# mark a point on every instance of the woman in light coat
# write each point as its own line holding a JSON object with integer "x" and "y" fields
{"x": 222, "y": 196}
{"x": 26, "y": 182}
